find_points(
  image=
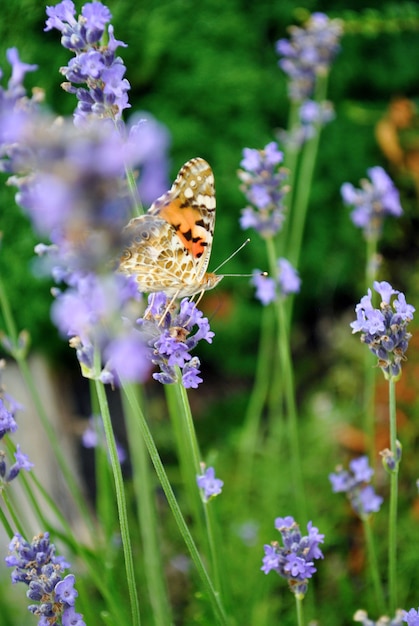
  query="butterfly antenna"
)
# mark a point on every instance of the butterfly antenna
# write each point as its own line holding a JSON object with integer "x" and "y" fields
{"x": 232, "y": 255}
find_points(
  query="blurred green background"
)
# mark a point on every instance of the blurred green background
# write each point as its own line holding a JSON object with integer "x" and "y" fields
{"x": 208, "y": 71}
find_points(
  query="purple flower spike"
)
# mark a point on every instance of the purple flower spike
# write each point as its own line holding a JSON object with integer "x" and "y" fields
{"x": 170, "y": 335}
{"x": 361, "y": 495}
{"x": 263, "y": 183}
{"x": 384, "y": 330}
{"x": 293, "y": 561}
{"x": 309, "y": 53}
{"x": 96, "y": 65}
{"x": 36, "y": 565}
{"x": 375, "y": 199}
{"x": 286, "y": 282}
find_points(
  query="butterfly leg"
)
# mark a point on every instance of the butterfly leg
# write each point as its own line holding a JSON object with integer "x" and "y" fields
{"x": 168, "y": 307}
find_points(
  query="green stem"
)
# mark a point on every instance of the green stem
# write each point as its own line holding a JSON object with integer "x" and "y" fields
{"x": 373, "y": 567}
{"x": 302, "y": 190}
{"x": 15, "y": 518}
{"x": 300, "y": 611}
{"x": 121, "y": 503}
{"x": 215, "y": 543}
{"x": 249, "y": 438}
{"x": 286, "y": 380}
{"x": 132, "y": 186}
{"x": 177, "y": 514}
{"x": 190, "y": 458}
{"x": 291, "y": 154}
{"x": 184, "y": 409}
{"x": 301, "y": 198}
{"x": 147, "y": 516}
{"x": 369, "y": 362}
{"x": 392, "y": 540}
{"x": 187, "y": 448}
{"x": 301, "y": 194}
{"x": 5, "y": 523}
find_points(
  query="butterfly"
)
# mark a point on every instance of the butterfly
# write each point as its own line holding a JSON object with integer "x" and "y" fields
{"x": 168, "y": 249}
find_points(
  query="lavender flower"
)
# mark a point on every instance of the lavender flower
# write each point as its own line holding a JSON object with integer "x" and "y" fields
{"x": 94, "y": 436}
{"x": 154, "y": 139}
{"x": 95, "y": 312}
{"x": 361, "y": 495}
{"x": 285, "y": 282}
{"x": 36, "y": 565}
{"x": 8, "y": 409}
{"x": 384, "y": 330}
{"x": 15, "y": 106}
{"x": 294, "y": 561}
{"x": 70, "y": 183}
{"x": 375, "y": 199}
{"x": 309, "y": 53}
{"x": 7, "y": 421}
{"x": 263, "y": 185}
{"x": 210, "y": 485}
{"x": 362, "y": 616}
{"x": 411, "y": 617}
{"x": 95, "y": 65}
{"x": 14, "y": 100}
{"x": 22, "y": 463}
{"x": 169, "y": 336}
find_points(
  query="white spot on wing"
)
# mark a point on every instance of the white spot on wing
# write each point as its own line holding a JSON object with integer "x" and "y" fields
{"x": 206, "y": 201}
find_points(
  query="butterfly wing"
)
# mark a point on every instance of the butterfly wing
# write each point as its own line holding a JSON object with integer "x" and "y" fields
{"x": 189, "y": 207}
{"x": 168, "y": 249}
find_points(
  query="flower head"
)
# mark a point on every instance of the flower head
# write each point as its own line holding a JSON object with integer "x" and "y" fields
{"x": 263, "y": 183}
{"x": 286, "y": 281}
{"x": 7, "y": 421}
{"x": 36, "y": 565}
{"x": 375, "y": 199}
{"x": 171, "y": 334}
{"x": 95, "y": 65}
{"x": 354, "y": 483}
{"x": 210, "y": 485}
{"x": 384, "y": 330}
{"x": 94, "y": 436}
{"x": 294, "y": 561}
{"x": 411, "y": 617}
{"x": 309, "y": 53}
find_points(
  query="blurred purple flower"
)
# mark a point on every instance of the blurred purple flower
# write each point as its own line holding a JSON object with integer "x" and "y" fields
{"x": 94, "y": 436}
{"x": 7, "y": 421}
{"x": 154, "y": 139}
{"x": 286, "y": 282}
{"x": 411, "y": 617}
{"x": 263, "y": 184}
{"x": 375, "y": 199}
{"x": 361, "y": 495}
{"x": 309, "y": 53}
